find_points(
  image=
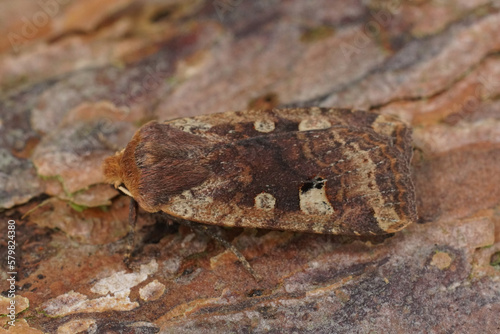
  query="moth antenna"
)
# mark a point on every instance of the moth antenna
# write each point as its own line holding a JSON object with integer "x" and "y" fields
{"x": 125, "y": 191}
{"x": 206, "y": 230}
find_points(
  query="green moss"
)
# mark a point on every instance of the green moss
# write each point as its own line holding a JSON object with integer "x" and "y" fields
{"x": 77, "y": 207}
{"x": 55, "y": 177}
{"x": 495, "y": 260}
{"x": 316, "y": 33}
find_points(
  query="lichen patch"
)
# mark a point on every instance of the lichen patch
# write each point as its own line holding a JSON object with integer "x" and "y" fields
{"x": 121, "y": 281}
{"x": 152, "y": 291}
{"x": 118, "y": 284}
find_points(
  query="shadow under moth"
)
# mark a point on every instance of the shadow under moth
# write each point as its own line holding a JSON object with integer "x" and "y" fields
{"x": 318, "y": 170}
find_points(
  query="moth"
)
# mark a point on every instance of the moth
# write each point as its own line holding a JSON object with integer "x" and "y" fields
{"x": 318, "y": 170}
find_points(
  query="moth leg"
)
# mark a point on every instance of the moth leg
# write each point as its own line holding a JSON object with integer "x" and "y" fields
{"x": 233, "y": 249}
{"x": 212, "y": 234}
{"x": 132, "y": 220}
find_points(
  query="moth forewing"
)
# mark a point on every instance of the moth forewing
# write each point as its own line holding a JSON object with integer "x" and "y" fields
{"x": 315, "y": 170}
{"x": 309, "y": 181}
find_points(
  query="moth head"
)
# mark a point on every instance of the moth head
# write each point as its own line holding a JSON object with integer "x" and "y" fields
{"x": 113, "y": 172}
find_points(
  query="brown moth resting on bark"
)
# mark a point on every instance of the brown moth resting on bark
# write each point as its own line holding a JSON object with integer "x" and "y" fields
{"x": 329, "y": 171}
{"x": 318, "y": 170}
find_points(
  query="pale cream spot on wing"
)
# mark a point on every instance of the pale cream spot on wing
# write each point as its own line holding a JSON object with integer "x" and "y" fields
{"x": 182, "y": 209}
{"x": 265, "y": 201}
{"x": 314, "y": 111}
{"x": 314, "y": 124}
{"x": 264, "y": 125}
{"x": 190, "y": 124}
{"x": 186, "y": 205}
{"x": 335, "y": 230}
{"x": 315, "y": 202}
{"x": 385, "y": 124}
